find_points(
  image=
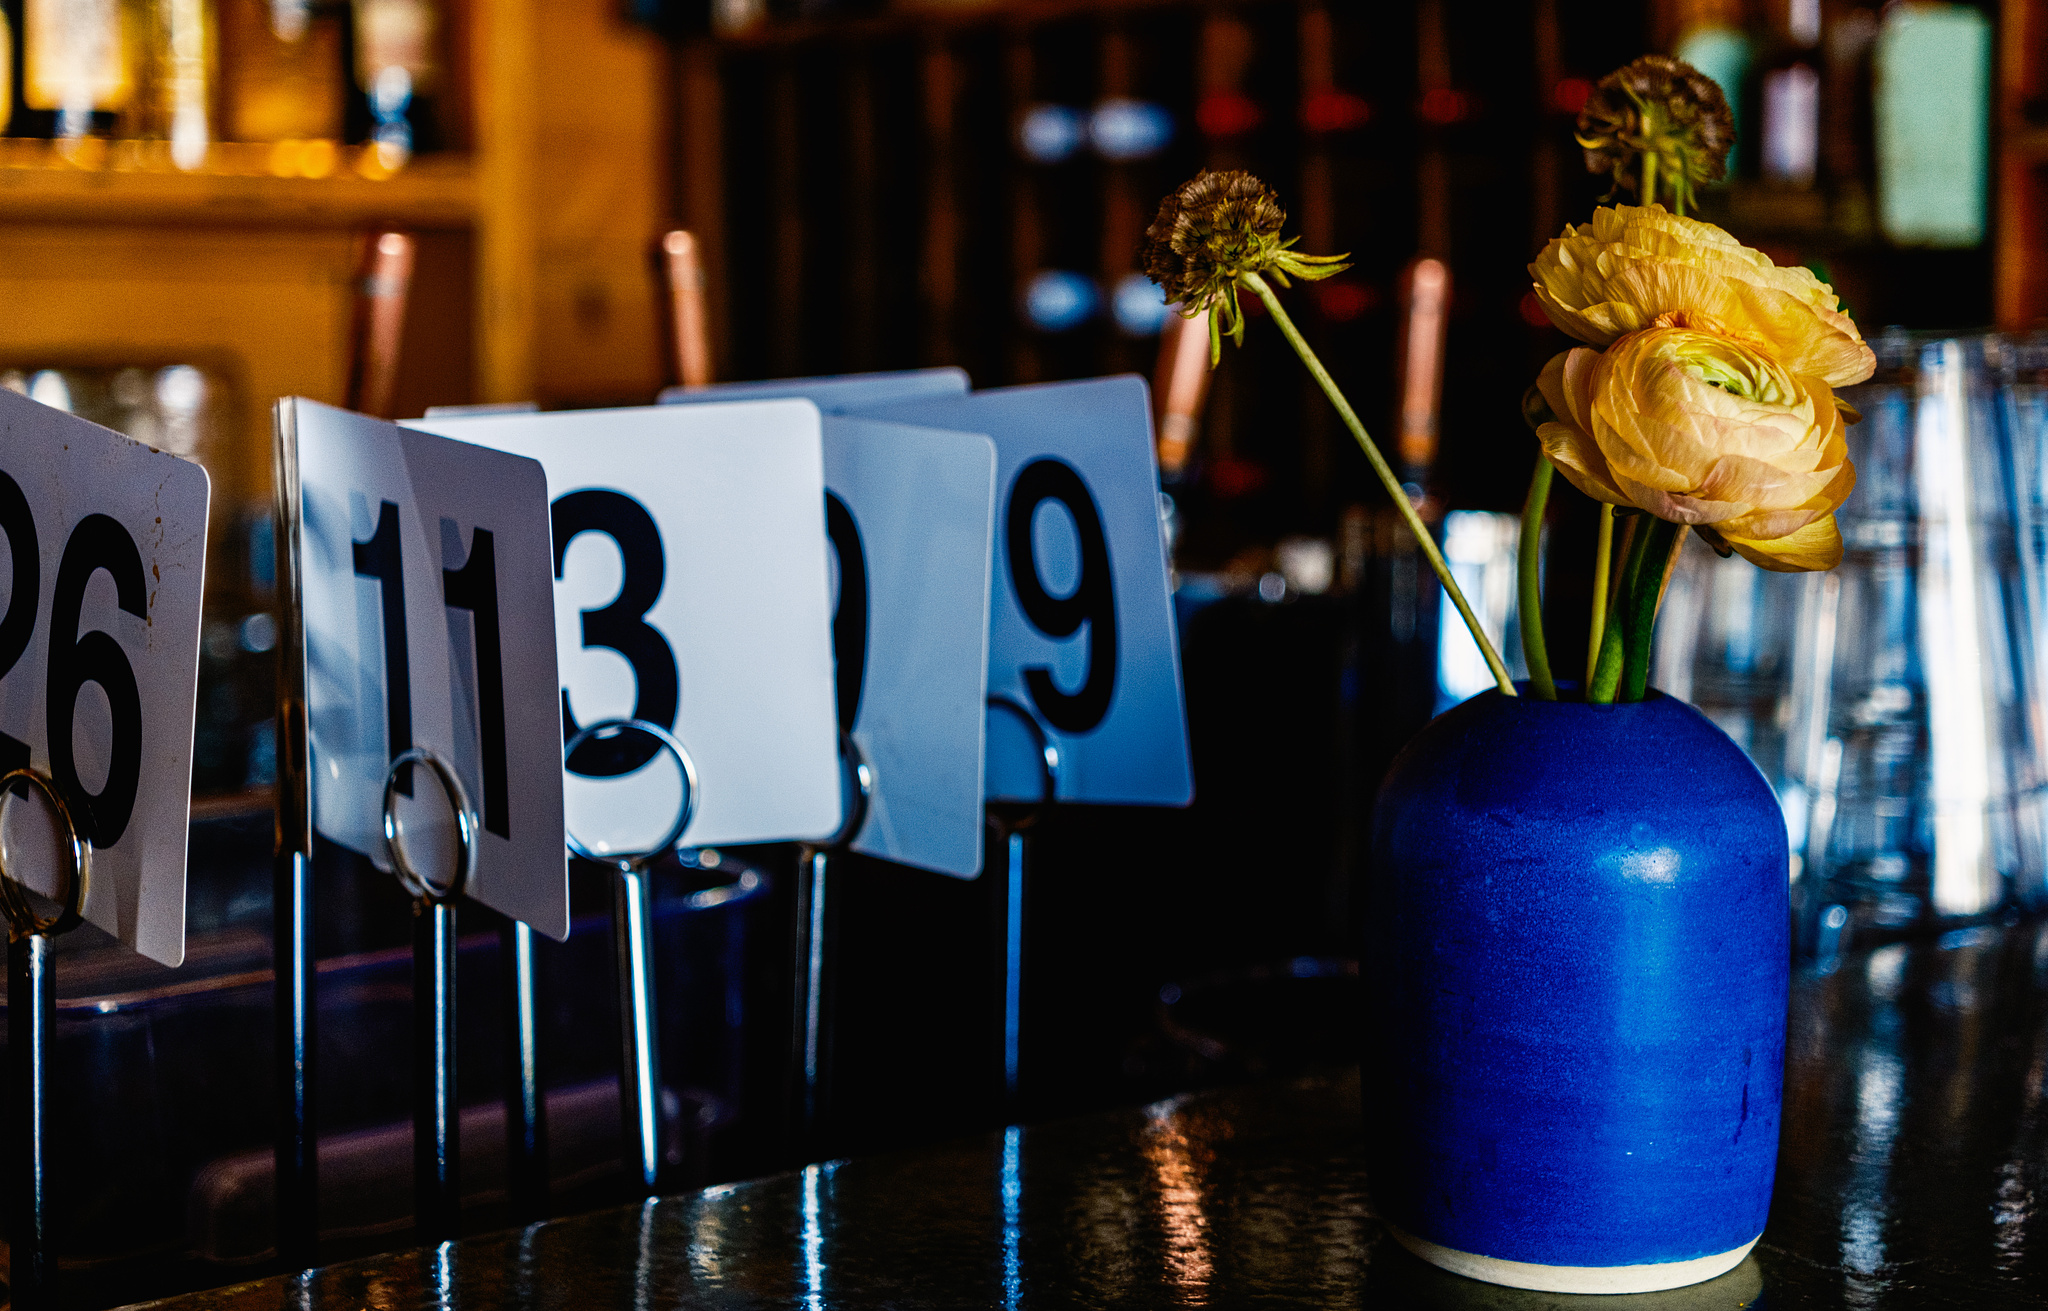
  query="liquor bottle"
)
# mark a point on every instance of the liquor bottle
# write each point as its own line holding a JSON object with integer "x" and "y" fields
{"x": 283, "y": 65}
{"x": 690, "y": 334}
{"x": 14, "y": 114}
{"x": 78, "y": 64}
{"x": 177, "y": 70}
{"x": 395, "y": 54}
{"x": 1932, "y": 107}
{"x": 1711, "y": 36}
{"x": 1180, "y": 384}
{"x": 6, "y": 70}
{"x": 379, "y": 328}
{"x": 1846, "y": 146}
{"x": 1788, "y": 96}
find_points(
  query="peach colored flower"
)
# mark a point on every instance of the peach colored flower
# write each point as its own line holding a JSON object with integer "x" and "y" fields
{"x": 1705, "y": 430}
{"x": 1637, "y": 266}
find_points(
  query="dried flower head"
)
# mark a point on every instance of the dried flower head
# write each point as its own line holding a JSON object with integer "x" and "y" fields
{"x": 1657, "y": 113}
{"x": 1210, "y": 233}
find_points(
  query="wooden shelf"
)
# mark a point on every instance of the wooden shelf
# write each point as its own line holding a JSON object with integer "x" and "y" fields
{"x": 112, "y": 182}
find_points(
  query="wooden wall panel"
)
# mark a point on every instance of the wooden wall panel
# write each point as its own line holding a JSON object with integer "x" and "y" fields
{"x": 601, "y": 199}
{"x": 267, "y": 309}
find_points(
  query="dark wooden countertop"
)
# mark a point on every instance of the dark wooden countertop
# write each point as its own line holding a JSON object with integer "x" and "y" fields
{"x": 1913, "y": 1173}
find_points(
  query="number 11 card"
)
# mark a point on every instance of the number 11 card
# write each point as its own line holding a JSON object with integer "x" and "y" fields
{"x": 427, "y": 587}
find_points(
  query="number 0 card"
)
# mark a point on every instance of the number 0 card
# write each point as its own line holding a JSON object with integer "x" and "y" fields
{"x": 99, "y": 655}
{"x": 428, "y": 596}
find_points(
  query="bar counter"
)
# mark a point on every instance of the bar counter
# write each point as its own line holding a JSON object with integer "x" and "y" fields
{"x": 1913, "y": 1173}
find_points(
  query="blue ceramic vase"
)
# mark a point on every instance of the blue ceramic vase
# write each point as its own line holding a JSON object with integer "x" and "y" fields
{"x": 1577, "y": 956}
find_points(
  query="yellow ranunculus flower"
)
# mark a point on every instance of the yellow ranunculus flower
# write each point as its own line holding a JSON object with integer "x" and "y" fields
{"x": 1635, "y": 267}
{"x": 1705, "y": 430}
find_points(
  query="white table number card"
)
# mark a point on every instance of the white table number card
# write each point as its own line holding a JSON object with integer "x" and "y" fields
{"x": 1081, "y": 632}
{"x": 910, "y": 512}
{"x": 910, "y": 515}
{"x": 692, "y": 591}
{"x": 833, "y": 394}
{"x": 428, "y": 599}
{"x": 99, "y": 658}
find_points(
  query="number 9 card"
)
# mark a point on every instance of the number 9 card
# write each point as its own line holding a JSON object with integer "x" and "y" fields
{"x": 1081, "y": 631}
{"x": 427, "y": 590}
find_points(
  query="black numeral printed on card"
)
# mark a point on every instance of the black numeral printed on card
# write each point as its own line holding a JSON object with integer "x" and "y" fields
{"x": 474, "y": 588}
{"x": 850, "y": 615}
{"x": 1093, "y": 600}
{"x": 621, "y": 624}
{"x": 75, "y": 659}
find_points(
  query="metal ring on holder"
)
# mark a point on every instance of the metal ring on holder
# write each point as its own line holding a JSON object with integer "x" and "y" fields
{"x": 21, "y": 914}
{"x": 604, "y": 730}
{"x": 863, "y": 789}
{"x": 465, "y": 827}
{"x": 1048, "y": 751}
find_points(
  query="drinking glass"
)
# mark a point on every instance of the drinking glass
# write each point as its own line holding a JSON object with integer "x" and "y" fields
{"x": 1899, "y": 703}
{"x": 1914, "y": 733}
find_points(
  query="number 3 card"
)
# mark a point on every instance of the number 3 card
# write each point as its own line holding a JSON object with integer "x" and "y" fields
{"x": 693, "y": 593}
{"x": 1081, "y": 630}
{"x": 428, "y": 598}
{"x": 99, "y": 658}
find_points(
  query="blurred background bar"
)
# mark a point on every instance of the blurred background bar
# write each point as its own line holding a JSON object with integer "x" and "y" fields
{"x": 881, "y": 186}
{"x": 398, "y": 204}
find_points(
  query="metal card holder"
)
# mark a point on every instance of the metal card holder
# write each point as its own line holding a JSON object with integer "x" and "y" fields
{"x": 816, "y": 946}
{"x": 298, "y": 1176}
{"x": 436, "y": 1118}
{"x": 633, "y": 939}
{"x": 1013, "y": 824}
{"x": 31, "y": 1015}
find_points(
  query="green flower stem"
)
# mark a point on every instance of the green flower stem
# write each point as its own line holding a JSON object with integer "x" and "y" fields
{"x": 1649, "y": 177}
{"x": 1386, "y": 474}
{"x": 1601, "y": 560}
{"x": 1534, "y": 651}
{"x": 1661, "y": 544}
{"x": 1607, "y": 666}
{"x": 1614, "y": 642}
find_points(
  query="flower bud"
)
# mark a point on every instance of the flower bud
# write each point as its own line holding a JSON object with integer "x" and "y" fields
{"x": 1658, "y": 106}
{"x": 1212, "y": 231}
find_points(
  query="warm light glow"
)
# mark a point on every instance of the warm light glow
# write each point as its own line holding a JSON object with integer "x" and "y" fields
{"x": 1442, "y": 105}
{"x": 1227, "y": 114}
{"x": 1569, "y": 96}
{"x": 1334, "y": 111}
{"x": 1174, "y": 1167}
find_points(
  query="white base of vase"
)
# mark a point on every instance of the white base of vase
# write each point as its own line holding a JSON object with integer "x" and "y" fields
{"x": 1652, "y": 1278}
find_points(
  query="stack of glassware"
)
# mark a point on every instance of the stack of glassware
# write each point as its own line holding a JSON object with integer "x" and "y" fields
{"x": 1899, "y": 703}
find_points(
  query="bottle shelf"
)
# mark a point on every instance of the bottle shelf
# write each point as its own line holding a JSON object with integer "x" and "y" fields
{"x": 288, "y": 184}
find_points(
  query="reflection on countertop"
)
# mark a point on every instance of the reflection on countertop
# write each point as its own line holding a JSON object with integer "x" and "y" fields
{"x": 1913, "y": 1171}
